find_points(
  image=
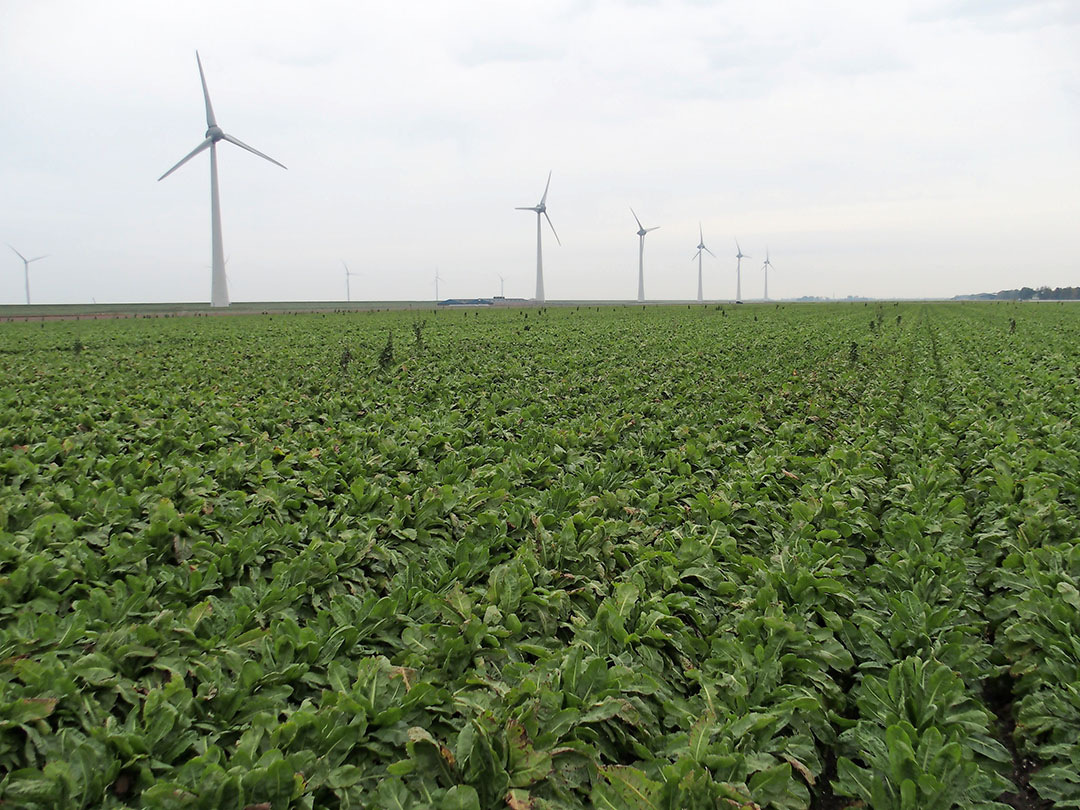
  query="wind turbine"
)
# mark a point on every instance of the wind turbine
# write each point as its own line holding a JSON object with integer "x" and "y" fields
{"x": 219, "y": 289}
{"x": 642, "y": 230}
{"x": 26, "y": 269}
{"x": 502, "y": 285}
{"x": 739, "y": 256}
{"x": 437, "y": 280}
{"x": 540, "y": 208}
{"x": 348, "y": 273}
{"x": 766, "y": 267}
{"x": 700, "y": 249}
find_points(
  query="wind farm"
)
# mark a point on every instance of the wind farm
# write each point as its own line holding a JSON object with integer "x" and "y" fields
{"x": 529, "y": 535}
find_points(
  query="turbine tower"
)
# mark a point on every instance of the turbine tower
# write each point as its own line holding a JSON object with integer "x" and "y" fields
{"x": 701, "y": 249}
{"x": 26, "y": 270}
{"x": 348, "y": 274}
{"x": 540, "y": 208}
{"x": 766, "y": 267}
{"x": 437, "y": 280}
{"x": 642, "y": 230}
{"x": 739, "y": 256}
{"x": 502, "y": 285}
{"x": 219, "y": 290}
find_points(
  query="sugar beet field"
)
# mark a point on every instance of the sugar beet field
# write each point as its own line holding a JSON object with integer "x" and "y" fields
{"x": 784, "y": 557}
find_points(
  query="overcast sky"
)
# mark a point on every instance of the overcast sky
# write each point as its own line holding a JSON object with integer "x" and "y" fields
{"x": 874, "y": 148}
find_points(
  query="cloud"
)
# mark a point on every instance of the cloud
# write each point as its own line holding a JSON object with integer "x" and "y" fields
{"x": 1000, "y": 15}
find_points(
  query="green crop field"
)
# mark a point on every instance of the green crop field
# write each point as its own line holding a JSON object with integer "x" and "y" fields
{"x": 755, "y": 557}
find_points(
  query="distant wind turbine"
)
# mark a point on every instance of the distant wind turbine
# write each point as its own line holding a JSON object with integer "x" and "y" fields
{"x": 502, "y": 285}
{"x": 739, "y": 256}
{"x": 766, "y": 267}
{"x": 701, "y": 249}
{"x": 26, "y": 269}
{"x": 348, "y": 273}
{"x": 540, "y": 208}
{"x": 642, "y": 230}
{"x": 219, "y": 290}
{"x": 437, "y": 280}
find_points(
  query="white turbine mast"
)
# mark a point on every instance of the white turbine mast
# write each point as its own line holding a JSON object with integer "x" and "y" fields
{"x": 438, "y": 278}
{"x": 700, "y": 249}
{"x": 541, "y": 208}
{"x": 739, "y": 256}
{"x": 642, "y": 230}
{"x": 219, "y": 290}
{"x": 766, "y": 267}
{"x": 348, "y": 275}
{"x": 502, "y": 285}
{"x": 26, "y": 269}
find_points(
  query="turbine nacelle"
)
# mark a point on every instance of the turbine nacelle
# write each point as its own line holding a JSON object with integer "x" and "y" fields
{"x": 642, "y": 230}
{"x": 215, "y": 133}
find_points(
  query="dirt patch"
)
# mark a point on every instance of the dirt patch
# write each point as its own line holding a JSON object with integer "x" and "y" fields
{"x": 998, "y": 696}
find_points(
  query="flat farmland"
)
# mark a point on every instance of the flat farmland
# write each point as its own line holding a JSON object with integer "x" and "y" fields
{"x": 766, "y": 556}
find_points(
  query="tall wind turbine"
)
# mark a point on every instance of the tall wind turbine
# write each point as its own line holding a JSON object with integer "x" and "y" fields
{"x": 502, "y": 285}
{"x": 739, "y": 256}
{"x": 766, "y": 267}
{"x": 642, "y": 230}
{"x": 26, "y": 270}
{"x": 540, "y": 208}
{"x": 348, "y": 274}
{"x": 701, "y": 249}
{"x": 437, "y": 280}
{"x": 219, "y": 290}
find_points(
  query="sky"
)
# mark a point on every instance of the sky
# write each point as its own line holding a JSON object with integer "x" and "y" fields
{"x": 887, "y": 149}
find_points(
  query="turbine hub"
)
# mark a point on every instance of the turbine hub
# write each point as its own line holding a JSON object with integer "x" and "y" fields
{"x": 215, "y": 134}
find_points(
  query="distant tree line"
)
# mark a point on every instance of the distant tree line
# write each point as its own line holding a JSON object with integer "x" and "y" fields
{"x": 1027, "y": 294}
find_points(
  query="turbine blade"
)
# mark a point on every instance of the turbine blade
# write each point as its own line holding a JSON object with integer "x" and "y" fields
{"x": 737, "y": 248}
{"x": 710, "y": 252}
{"x": 204, "y": 145}
{"x": 210, "y": 120}
{"x": 346, "y": 268}
{"x": 36, "y": 258}
{"x": 638, "y": 221}
{"x": 525, "y": 208}
{"x": 543, "y": 199}
{"x": 17, "y": 253}
{"x": 552, "y": 228}
{"x": 695, "y": 255}
{"x": 243, "y": 145}
{"x": 700, "y": 233}
{"x": 653, "y": 228}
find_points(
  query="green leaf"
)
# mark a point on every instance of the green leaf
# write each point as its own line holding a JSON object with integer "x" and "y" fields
{"x": 624, "y": 788}
{"x": 461, "y": 797}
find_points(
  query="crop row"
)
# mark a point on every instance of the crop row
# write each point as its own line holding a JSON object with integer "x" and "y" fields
{"x": 766, "y": 557}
